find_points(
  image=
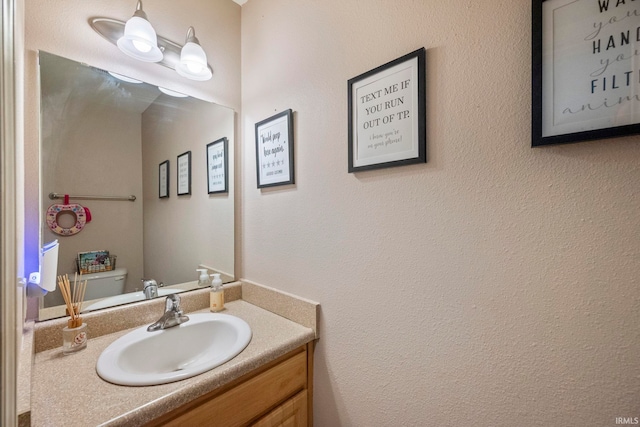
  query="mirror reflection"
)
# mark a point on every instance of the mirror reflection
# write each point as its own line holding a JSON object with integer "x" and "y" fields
{"x": 103, "y": 136}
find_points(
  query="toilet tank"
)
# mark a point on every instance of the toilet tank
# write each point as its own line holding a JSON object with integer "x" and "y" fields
{"x": 99, "y": 285}
{"x": 105, "y": 284}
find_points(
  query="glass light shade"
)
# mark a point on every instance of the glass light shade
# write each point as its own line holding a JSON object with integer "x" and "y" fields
{"x": 140, "y": 41}
{"x": 172, "y": 92}
{"x": 193, "y": 63}
{"x": 124, "y": 78}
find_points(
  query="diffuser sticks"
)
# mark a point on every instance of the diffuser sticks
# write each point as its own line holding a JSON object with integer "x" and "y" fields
{"x": 73, "y": 297}
{"x": 74, "y": 336}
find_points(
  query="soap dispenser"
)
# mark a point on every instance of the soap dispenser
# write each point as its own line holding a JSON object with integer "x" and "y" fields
{"x": 216, "y": 296}
{"x": 203, "y": 279}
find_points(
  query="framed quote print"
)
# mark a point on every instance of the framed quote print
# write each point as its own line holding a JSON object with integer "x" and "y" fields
{"x": 184, "y": 173}
{"x": 387, "y": 117}
{"x": 274, "y": 150}
{"x": 585, "y": 76}
{"x": 163, "y": 179}
{"x": 217, "y": 166}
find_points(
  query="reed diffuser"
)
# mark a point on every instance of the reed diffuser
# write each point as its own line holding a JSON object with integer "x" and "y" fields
{"x": 74, "y": 335}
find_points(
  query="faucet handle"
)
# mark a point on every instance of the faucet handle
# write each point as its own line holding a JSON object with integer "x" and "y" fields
{"x": 172, "y": 303}
{"x": 149, "y": 282}
{"x": 172, "y": 316}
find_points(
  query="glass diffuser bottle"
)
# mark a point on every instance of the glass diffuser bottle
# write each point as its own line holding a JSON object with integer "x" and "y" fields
{"x": 74, "y": 335}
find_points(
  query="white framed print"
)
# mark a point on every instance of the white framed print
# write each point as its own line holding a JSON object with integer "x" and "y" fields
{"x": 274, "y": 150}
{"x": 217, "y": 166}
{"x": 387, "y": 115}
{"x": 184, "y": 173}
{"x": 585, "y": 76}
{"x": 163, "y": 179}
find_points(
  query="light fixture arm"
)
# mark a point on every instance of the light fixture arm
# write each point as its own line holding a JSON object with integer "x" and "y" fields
{"x": 191, "y": 36}
{"x": 139, "y": 12}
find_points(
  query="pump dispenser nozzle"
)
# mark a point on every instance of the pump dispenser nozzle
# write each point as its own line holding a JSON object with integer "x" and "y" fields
{"x": 203, "y": 279}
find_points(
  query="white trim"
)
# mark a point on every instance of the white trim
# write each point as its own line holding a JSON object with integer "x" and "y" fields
{"x": 8, "y": 266}
{"x": 240, "y": 2}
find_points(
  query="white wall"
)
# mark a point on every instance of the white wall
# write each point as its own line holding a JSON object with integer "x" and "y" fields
{"x": 497, "y": 285}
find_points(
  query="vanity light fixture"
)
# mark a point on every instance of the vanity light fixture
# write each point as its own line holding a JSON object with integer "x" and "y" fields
{"x": 193, "y": 59}
{"x": 139, "y": 39}
{"x": 133, "y": 38}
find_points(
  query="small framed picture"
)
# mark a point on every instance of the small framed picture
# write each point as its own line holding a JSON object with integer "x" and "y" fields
{"x": 585, "y": 81}
{"x": 274, "y": 150}
{"x": 217, "y": 166}
{"x": 163, "y": 179}
{"x": 387, "y": 115}
{"x": 184, "y": 173}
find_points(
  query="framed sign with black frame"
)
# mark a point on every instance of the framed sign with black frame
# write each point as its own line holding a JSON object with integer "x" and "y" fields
{"x": 163, "y": 179}
{"x": 274, "y": 150}
{"x": 585, "y": 80}
{"x": 217, "y": 166}
{"x": 184, "y": 173}
{"x": 387, "y": 115}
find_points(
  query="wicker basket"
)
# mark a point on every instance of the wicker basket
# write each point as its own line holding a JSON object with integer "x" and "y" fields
{"x": 97, "y": 268}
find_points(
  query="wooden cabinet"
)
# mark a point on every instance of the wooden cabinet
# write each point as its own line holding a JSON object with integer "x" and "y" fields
{"x": 292, "y": 413}
{"x": 279, "y": 393}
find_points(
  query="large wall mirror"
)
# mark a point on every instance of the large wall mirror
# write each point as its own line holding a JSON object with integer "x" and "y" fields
{"x": 104, "y": 136}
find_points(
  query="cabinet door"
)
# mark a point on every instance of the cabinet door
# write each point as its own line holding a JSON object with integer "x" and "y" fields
{"x": 292, "y": 413}
{"x": 237, "y": 406}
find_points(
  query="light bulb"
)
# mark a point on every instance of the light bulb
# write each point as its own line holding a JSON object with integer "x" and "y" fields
{"x": 141, "y": 46}
{"x": 195, "y": 68}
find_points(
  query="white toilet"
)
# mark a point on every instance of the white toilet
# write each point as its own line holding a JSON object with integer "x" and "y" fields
{"x": 99, "y": 285}
{"x": 105, "y": 284}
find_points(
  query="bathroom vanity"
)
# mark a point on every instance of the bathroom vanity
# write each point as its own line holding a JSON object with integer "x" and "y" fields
{"x": 276, "y": 394}
{"x": 268, "y": 384}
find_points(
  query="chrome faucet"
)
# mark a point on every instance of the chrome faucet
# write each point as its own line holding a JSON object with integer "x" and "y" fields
{"x": 150, "y": 288}
{"x": 172, "y": 316}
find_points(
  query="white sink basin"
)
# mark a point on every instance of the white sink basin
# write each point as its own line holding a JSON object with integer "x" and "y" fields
{"x": 127, "y": 298}
{"x": 142, "y": 358}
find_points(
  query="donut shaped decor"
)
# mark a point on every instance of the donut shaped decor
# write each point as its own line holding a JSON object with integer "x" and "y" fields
{"x": 81, "y": 214}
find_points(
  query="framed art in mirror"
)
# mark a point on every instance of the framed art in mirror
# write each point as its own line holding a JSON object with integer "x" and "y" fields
{"x": 163, "y": 180}
{"x": 387, "y": 115}
{"x": 184, "y": 174}
{"x": 274, "y": 150}
{"x": 217, "y": 166}
{"x": 585, "y": 83}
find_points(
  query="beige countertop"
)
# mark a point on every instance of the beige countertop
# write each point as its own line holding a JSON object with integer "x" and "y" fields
{"x": 67, "y": 391}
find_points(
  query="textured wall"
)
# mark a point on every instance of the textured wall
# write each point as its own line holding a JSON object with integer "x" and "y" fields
{"x": 497, "y": 285}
